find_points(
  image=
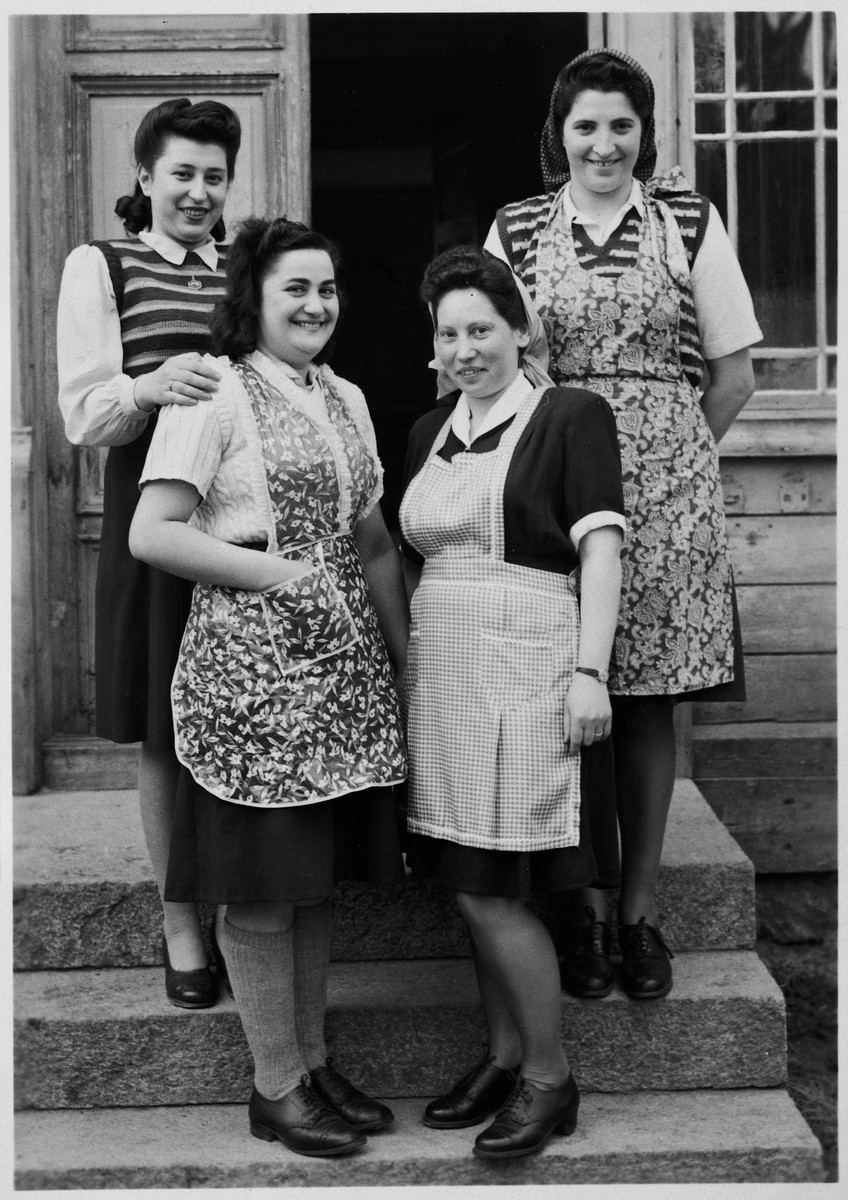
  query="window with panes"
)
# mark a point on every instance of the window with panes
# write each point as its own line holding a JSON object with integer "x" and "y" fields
{"x": 763, "y": 93}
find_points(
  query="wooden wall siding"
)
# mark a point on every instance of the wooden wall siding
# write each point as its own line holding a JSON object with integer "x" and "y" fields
{"x": 768, "y": 766}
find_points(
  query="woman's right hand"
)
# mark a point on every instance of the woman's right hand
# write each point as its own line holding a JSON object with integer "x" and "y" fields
{"x": 183, "y": 379}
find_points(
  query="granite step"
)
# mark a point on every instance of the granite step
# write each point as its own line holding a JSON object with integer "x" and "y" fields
{"x": 755, "y": 1136}
{"x": 83, "y": 895}
{"x": 105, "y": 1038}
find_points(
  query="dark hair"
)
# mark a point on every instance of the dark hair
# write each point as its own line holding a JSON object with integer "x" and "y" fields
{"x": 260, "y": 242}
{"x": 473, "y": 267}
{"x": 602, "y": 72}
{"x": 209, "y": 122}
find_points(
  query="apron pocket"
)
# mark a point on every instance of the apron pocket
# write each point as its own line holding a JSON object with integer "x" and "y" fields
{"x": 515, "y": 670}
{"x": 307, "y": 620}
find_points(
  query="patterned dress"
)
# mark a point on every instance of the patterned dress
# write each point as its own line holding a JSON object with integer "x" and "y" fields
{"x": 618, "y": 333}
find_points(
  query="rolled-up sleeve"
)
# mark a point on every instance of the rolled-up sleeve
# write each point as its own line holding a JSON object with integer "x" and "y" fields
{"x": 95, "y": 395}
{"x": 187, "y": 444}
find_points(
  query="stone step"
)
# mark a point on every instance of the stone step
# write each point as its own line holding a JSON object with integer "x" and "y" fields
{"x": 83, "y": 895}
{"x": 109, "y": 1038}
{"x": 649, "y": 1138}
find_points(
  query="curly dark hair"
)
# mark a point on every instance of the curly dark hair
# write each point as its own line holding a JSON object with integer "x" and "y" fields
{"x": 472, "y": 266}
{"x": 209, "y": 122}
{"x": 260, "y": 242}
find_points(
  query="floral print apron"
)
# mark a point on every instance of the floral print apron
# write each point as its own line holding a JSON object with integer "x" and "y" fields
{"x": 618, "y": 336}
{"x": 286, "y": 696}
{"x": 492, "y": 651}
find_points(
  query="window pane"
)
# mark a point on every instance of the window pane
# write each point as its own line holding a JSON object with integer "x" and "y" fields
{"x": 708, "y": 31}
{"x": 757, "y": 116}
{"x": 711, "y": 174}
{"x": 773, "y": 51}
{"x": 831, "y": 370}
{"x": 829, "y": 29}
{"x": 831, "y": 214}
{"x": 777, "y": 238}
{"x": 709, "y": 116}
{"x": 830, "y": 114}
{"x": 785, "y": 374}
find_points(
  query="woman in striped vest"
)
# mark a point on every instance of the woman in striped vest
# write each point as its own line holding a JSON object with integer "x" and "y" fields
{"x": 639, "y": 289}
{"x": 133, "y": 324}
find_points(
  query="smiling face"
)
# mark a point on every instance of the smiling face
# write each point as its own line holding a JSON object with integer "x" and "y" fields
{"x": 601, "y": 136}
{"x": 187, "y": 187}
{"x": 475, "y": 345}
{"x": 300, "y": 307}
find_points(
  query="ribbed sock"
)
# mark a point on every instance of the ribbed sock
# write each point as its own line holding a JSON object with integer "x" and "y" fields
{"x": 261, "y": 970}
{"x": 312, "y": 927}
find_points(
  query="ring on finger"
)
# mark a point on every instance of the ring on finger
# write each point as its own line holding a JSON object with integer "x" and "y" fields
{"x": 172, "y": 386}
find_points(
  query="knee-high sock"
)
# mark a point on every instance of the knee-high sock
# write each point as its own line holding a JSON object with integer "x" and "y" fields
{"x": 311, "y": 969}
{"x": 261, "y": 970}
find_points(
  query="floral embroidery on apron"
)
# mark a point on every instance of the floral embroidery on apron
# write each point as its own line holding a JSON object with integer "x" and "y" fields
{"x": 286, "y": 696}
{"x": 619, "y": 337}
{"x": 492, "y": 651}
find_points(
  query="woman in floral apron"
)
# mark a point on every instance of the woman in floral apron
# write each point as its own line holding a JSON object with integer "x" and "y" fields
{"x": 509, "y": 491}
{"x": 638, "y": 287}
{"x": 284, "y": 700}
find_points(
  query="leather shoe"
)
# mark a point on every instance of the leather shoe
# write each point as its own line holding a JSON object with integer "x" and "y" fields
{"x": 302, "y": 1122}
{"x": 473, "y": 1098}
{"x": 588, "y": 972}
{"x": 645, "y": 966}
{"x": 339, "y": 1094}
{"x": 188, "y": 989}
{"x": 528, "y": 1120}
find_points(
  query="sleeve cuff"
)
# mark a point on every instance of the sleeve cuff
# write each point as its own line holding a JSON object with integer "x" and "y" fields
{"x": 126, "y": 399}
{"x": 595, "y": 520}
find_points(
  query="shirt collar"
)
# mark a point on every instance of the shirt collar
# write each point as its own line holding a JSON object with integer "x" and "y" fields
{"x": 505, "y": 407}
{"x": 175, "y": 253}
{"x": 276, "y": 365}
{"x": 635, "y": 200}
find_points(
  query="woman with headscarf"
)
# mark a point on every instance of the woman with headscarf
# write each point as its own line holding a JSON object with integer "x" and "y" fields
{"x": 639, "y": 290}
{"x": 510, "y": 487}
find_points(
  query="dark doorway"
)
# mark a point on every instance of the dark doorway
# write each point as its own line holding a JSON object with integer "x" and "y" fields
{"x": 422, "y": 126}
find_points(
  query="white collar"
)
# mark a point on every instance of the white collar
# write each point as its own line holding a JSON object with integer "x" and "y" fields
{"x": 572, "y": 213}
{"x": 275, "y": 366}
{"x": 506, "y": 406}
{"x": 175, "y": 253}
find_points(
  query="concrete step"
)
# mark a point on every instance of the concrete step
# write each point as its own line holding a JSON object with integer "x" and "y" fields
{"x": 654, "y": 1138}
{"x": 109, "y": 1038}
{"x": 83, "y": 895}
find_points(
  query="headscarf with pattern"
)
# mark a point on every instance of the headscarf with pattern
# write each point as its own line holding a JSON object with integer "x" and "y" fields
{"x": 555, "y": 168}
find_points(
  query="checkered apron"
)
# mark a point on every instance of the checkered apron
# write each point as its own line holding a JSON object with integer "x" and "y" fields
{"x": 492, "y": 651}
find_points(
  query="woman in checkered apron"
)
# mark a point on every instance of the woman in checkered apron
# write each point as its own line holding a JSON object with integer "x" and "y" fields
{"x": 509, "y": 491}
{"x": 285, "y": 709}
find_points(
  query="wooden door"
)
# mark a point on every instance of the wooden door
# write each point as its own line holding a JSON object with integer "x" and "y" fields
{"x": 82, "y": 84}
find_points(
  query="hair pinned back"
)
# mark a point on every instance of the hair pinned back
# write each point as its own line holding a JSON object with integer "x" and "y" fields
{"x": 258, "y": 245}
{"x": 208, "y": 122}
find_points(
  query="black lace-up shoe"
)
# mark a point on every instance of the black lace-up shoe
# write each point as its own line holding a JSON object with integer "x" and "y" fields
{"x": 339, "y": 1094}
{"x": 473, "y": 1098}
{"x": 303, "y": 1123}
{"x": 645, "y": 967}
{"x": 529, "y": 1119}
{"x": 588, "y": 971}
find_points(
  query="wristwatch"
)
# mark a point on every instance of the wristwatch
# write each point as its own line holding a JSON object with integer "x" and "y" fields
{"x": 601, "y": 676}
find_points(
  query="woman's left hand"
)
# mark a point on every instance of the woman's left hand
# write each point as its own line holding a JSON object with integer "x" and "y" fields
{"x": 588, "y": 713}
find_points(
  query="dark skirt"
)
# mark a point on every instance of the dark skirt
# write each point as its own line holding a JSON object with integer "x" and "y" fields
{"x": 140, "y": 615}
{"x": 593, "y": 863}
{"x": 225, "y": 853}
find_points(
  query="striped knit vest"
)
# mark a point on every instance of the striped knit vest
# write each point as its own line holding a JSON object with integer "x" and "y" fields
{"x": 520, "y": 224}
{"x": 161, "y": 314}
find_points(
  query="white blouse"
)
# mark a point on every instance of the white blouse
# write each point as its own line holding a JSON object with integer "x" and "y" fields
{"x": 95, "y": 396}
{"x": 215, "y": 446}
